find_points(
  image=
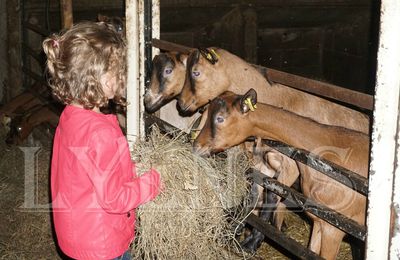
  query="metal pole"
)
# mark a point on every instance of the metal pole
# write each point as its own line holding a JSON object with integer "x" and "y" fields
{"x": 142, "y": 63}
{"x": 133, "y": 86}
{"x": 385, "y": 128}
{"x": 148, "y": 32}
{"x": 155, "y": 24}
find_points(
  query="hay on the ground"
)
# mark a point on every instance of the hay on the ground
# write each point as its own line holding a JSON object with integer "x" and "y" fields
{"x": 192, "y": 217}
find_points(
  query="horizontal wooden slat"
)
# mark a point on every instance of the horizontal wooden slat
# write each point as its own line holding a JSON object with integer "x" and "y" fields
{"x": 323, "y": 89}
{"x": 277, "y": 3}
{"x": 36, "y": 29}
{"x": 170, "y": 46}
{"x": 334, "y": 171}
{"x": 33, "y": 54}
{"x": 278, "y": 237}
{"x": 296, "y": 199}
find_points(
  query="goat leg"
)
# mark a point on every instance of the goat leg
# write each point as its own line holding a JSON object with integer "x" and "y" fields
{"x": 254, "y": 240}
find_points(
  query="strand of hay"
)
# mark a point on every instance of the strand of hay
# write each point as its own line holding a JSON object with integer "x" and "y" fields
{"x": 192, "y": 217}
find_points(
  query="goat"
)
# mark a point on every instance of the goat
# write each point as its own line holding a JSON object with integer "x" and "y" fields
{"x": 168, "y": 76}
{"x": 232, "y": 119}
{"x": 22, "y": 125}
{"x": 275, "y": 166}
{"x": 23, "y": 102}
{"x": 117, "y": 22}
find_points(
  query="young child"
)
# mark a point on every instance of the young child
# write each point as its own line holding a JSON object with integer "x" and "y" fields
{"x": 93, "y": 182}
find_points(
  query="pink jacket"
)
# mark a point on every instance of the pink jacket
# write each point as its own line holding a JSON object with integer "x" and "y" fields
{"x": 94, "y": 186}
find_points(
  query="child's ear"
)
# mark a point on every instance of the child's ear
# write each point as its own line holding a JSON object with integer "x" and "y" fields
{"x": 248, "y": 101}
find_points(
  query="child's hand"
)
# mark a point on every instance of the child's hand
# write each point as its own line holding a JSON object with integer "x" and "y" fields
{"x": 161, "y": 185}
{"x": 155, "y": 181}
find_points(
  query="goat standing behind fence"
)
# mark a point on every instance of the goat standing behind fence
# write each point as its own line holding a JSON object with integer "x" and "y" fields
{"x": 232, "y": 119}
{"x": 167, "y": 78}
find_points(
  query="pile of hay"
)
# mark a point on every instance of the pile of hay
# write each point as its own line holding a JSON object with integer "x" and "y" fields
{"x": 25, "y": 233}
{"x": 197, "y": 211}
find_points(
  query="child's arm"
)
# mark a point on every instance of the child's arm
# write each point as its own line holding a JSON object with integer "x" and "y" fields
{"x": 117, "y": 190}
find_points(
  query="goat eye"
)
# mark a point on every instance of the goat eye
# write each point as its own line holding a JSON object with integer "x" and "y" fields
{"x": 196, "y": 73}
{"x": 167, "y": 71}
{"x": 19, "y": 129}
{"x": 219, "y": 119}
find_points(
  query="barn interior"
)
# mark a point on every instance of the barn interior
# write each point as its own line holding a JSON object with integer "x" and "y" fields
{"x": 332, "y": 41}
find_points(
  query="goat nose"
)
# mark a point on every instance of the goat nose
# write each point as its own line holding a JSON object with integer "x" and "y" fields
{"x": 146, "y": 99}
{"x": 199, "y": 150}
{"x": 181, "y": 104}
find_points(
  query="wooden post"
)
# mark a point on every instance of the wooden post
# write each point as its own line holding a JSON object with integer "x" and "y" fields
{"x": 66, "y": 14}
{"x": 15, "y": 83}
{"x": 133, "y": 116}
{"x": 250, "y": 35}
{"x": 382, "y": 197}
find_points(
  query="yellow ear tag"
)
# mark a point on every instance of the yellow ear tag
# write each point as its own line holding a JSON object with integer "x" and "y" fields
{"x": 250, "y": 104}
{"x": 209, "y": 57}
{"x": 215, "y": 54}
{"x": 193, "y": 134}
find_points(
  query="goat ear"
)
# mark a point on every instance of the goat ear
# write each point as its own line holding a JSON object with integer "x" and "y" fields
{"x": 193, "y": 58}
{"x": 183, "y": 58}
{"x": 248, "y": 101}
{"x": 196, "y": 55}
{"x": 210, "y": 55}
{"x": 102, "y": 18}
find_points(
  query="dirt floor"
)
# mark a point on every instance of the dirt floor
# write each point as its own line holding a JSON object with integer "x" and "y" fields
{"x": 26, "y": 230}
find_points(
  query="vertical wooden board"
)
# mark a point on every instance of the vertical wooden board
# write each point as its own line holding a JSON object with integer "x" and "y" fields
{"x": 133, "y": 87}
{"x": 15, "y": 83}
{"x": 385, "y": 129}
{"x": 3, "y": 47}
{"x": 250, "y": 35}
{"x": 66, "y": 13}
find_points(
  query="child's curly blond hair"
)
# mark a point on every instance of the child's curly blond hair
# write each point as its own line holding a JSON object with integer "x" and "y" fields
{"x": 77, "y": 59}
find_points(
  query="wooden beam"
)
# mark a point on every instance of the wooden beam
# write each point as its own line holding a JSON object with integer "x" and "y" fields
{"x": 66, "y": 14}
{"x": 14, "y": 84}
{"x": 278, "y": 237}
{"x": 267, "y": 3}
{"x": 323, "y": 89}
{"x": 340, "y": 174}
{"x": 36, "y": 29}
{"x": 170, "y": 46}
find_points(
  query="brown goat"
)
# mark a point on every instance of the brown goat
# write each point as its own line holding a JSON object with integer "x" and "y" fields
{"x": 231, "y": 120}
{"x": 21, "y": 126}
{"x": 119, "y": 23}
{"x": 24, "y": 101}
{"x": 214, "y": 71}
{"x": 168, "y": 76}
